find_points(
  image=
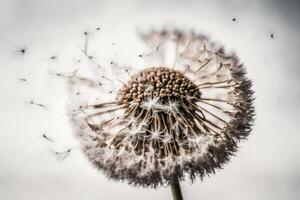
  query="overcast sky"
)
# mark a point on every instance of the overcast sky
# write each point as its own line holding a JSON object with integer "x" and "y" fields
{"x": 266, "y": 166}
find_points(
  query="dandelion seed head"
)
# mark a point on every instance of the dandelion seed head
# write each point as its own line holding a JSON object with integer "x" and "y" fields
{"x": 169, "y": 122}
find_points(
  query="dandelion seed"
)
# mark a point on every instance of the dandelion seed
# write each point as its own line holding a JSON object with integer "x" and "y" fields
{"x": 167, "y": 122}
{"x": 108, "y": 79}
{"x": 21, "y": 52}
{"x": 47, "y": 138}
{"x": 86, "y": 42}
{"x": 62, "y": 155}
{"x": 37, "y": 104}
{"x": 53, "y": 58}
{"x": 23, "y": 79}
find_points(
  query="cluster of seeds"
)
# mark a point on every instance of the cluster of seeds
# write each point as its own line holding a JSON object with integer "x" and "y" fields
{"x": 158, "y": 82}
{"x": 159, "y": 94}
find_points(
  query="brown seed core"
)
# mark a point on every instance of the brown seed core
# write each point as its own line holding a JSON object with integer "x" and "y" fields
{"x": 158, "y": 82}
{"x": 161, "y": 129}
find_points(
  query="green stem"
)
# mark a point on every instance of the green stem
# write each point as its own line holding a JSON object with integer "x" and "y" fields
{"x": 176, "y": 191}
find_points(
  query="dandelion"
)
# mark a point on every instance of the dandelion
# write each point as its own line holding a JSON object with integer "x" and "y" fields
{"x": 182, "y": 118}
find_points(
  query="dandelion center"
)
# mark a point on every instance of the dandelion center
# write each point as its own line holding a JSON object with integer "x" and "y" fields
{"x": 157, "y": 98}
{"x": 160, "y": 84}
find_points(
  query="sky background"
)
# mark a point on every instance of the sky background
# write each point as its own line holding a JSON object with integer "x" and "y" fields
{"x": 265, "y": 167}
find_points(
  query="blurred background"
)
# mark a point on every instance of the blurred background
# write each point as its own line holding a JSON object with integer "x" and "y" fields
{"x": 41, "y": 37}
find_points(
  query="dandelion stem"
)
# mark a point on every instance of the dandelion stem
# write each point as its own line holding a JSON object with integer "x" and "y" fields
{"x": 176, "y": 191}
